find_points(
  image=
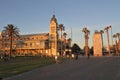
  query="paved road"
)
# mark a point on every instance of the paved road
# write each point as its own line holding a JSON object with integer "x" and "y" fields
{"x": 101, "y": 68}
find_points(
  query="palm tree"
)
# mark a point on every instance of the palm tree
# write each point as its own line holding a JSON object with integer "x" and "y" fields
{"x": 61, "y": 28}
{"x": 87, "y": 32}
{"x": 115, "y": 36}
{"x": 64, "y": 34}
{"x": 69, "y": 42}
{"x": 118, "y": 35}
{"x": 10, "y": 31}
{"x": 106, "y": 29}
{"x": 101, "y": 32}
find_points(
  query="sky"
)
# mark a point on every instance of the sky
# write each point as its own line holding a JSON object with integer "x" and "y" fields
{"x": 33, "y": 16}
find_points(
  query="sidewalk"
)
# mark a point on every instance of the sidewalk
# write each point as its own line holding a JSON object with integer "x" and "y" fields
{"x": 101, "y": 68}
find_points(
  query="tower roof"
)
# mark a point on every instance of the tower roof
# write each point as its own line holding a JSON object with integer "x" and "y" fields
{"x": 54, "y": 19}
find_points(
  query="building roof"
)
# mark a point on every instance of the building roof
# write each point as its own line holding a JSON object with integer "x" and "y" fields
{"x": 53, "y": 19}
{"x": 37, "y": 34}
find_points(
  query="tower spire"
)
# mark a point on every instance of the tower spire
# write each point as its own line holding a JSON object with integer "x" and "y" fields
{"x": 53, "y": 18}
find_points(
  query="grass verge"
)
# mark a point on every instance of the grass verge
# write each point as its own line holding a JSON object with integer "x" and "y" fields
{"x": 19, "y": 65}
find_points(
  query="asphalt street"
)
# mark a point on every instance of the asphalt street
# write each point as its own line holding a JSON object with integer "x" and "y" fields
{"x": 95, "y": 68}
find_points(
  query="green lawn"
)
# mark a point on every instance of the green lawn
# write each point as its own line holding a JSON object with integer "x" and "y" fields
{"x": 22, "y": 64}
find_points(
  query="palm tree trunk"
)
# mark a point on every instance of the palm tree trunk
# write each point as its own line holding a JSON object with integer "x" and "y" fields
{"x": 108, "y": 42}
{"x": 10, "y": 46}
{"x": 102, "y": 40}
{"x": 61, "y": 42}
{"x": 86, "y": 45}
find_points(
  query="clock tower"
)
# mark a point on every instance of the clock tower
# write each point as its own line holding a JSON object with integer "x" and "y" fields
{"x": 53, "y": 36}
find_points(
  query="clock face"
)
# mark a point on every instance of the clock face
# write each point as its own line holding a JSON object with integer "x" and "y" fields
{"x": 52, "y": 37}
{"x": 53, "y": 27}
{"x": 53, "y": 30}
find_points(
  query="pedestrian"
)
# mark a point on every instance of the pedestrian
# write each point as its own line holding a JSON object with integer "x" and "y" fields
{"x": 76, "y": 56}
{"x": 56, "y": 59}
{"x": 88, "y": 55}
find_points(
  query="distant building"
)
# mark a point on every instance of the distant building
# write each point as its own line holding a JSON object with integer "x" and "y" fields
{"x": 35, "y": 44}
{"x": 97, "y": 44}
{"x": 29, "y": 44}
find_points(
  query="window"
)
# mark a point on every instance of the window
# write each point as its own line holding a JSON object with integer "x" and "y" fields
{"x": 25, "y": 44}
{"x": 30, "y": 44}
{"x": 41, "y": 43}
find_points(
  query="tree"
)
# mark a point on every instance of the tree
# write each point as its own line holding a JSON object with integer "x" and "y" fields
{"x": 69, "y": 39}
{"x": 68, "y": 43}
{"x": 10, "y": 31}
{"x": 107, "y": 32}
{"x": 75, "y": 48}
{"x": 61, "y": 28}
{"x": 115, "y": 36}
{"x": 118, "y": 35}
{"x": 65, "y": 34}
{"x": 87, "y": 32}
{"x": 101, "y": 32}
{"x": 118, "y": 43}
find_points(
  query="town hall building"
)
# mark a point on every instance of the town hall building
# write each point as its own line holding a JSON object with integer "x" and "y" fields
{"x": 35, "y": 44}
